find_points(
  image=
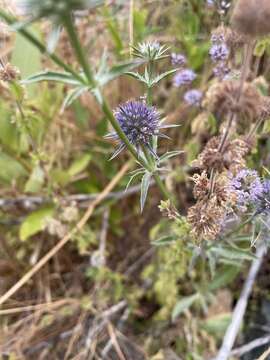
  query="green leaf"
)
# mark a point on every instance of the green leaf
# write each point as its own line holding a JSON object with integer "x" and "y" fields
{"x": 144, "y": 188}
{"x": 217, "y": 325}
{"x": 11, "y": 169}
{"x": 79, "y": 164}
{"x": 165, "y": 240}
{"x": 160, "y": 77}
{"x": 73, "y": 95}
{"x": 183, "y": 305}
{"x": 35, "y": 222}
{"x": 223, "y": 278}
{"x": 58, "y": 76}
{"x": 232, "y": 253}
{"x": 169, "y": 155}
{"x": 36, "y": 180}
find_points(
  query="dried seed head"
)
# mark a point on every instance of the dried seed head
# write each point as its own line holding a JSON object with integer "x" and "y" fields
{"x": 206, "y": 218}
{"x": 223, "y": 98}
{"x": 201, "y": 187}
{"x": 265, "y": 108}
{"x": 9, "y": 73}
{"x": 232, "y": 38}
{"x": 251, "y": 17}
{"x": 232, "y": 157}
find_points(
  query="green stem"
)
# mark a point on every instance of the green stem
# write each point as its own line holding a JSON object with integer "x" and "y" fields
{"x": 10, "y": 20}
{"x": 75, "y": 42}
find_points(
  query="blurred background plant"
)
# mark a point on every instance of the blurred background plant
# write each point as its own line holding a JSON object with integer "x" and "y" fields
{"x": 155, "y": 264}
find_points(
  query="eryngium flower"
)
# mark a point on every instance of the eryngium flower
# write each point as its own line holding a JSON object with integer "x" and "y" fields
{"x": 55, "y": 8}
{"x": 139, "y": 123}
{"x": 219, "y": 52}
{"x": 184, "y": 77}
{"x": 193, "y": 97}
{"x": 251, "y": 17}
{"x": 178, "y": 59}
{"x": 247, "y": 187}
{"x": 221, "y": 71}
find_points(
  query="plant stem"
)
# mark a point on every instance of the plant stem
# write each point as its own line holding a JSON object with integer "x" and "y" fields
{"x": 81, "y": 56}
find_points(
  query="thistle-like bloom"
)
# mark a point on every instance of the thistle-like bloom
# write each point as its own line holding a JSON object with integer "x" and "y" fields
{"x": 247, "y": 187}
{"x": 139, "y": 122}
{"x": 184, "y": 77}
{"x": 219, "y": 52}
{"x": 178, "y": 59}
{"x": 193, "y": 97}
{"x": 263, "y": 203}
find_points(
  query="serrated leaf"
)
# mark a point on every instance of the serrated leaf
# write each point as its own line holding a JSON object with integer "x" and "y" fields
{"x": 136, "y": 76}
{"x": 35, "y": 222}
{"x": 79, "y": 164}
{"x": 63, "y": 77}
{"x": 144, "y": 188}
{"x": 183, "y": 305}
{"x": 162, "y": 76}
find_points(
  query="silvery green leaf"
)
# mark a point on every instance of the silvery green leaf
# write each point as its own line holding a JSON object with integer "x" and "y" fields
{"x": 53, "y": 38}
{"x": 58, "y": 76}
{"x": 73, "y": 95}
{"x": 169, "y": 155}
{"x": 232, "y": 253}
{"x": 165, "y": 240}
{"x": 160, "y": 77}
{"x": 183, "y": 305}
{"x": 144, "y": 188}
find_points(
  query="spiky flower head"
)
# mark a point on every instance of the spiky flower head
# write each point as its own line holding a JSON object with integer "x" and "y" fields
{"x": 193, "y": 97}
{"x": 263, "y": 204}
{"x": 247, "y": 187}
{"x": 178, "y": 59}
{"x": 56, "y": 9}
{"x": 150, "y": 51}
{"x": 139, "y": 122}
{"x": 184, "y": 77}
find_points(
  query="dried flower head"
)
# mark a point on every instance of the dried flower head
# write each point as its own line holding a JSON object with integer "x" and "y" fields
{"x": 252, "y": 17}
{"x": 231, "y": 158}
{"x": 193, "y": 97}
{"x": 230, "y": 37}
{"x": 223, "y": 99}
{"x": 184, "y": 77}
{"x": 9, "y": 73}
{"x": 139, "y": 122}
{"x": 206, "y": 218}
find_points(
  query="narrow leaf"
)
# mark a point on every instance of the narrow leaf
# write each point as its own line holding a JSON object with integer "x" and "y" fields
{"x": 144, "y": 188}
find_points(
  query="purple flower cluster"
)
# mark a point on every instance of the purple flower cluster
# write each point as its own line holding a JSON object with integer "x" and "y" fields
{"x": 139, "y": 123}
{"x": 219, "y": 52}
{"x": 193, "y": 97}
{"x": 263, "y": 205}
{"x": 247, "y": 187}
{"x": 178, "y": 59}
{"x": 184, "y": 77}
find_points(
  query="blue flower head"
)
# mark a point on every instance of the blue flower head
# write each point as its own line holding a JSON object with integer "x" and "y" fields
{"x": 139, "y": 122}
{"x": 219, "y": 52}
{"x": 247, "y": 187}
{"x": 178, "y": 59}
{"x": 193, "y": 97}
{"x": 184, "y": 77}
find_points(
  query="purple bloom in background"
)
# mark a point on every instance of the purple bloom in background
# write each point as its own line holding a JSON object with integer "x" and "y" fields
{"x": 221, "y": 71}
{"x": 219, "y": 52}
{"x": 210, "y": 3}
{"x": 248, "y": 187}
{"x": 263, "y": 204}
{"x": 178, "y": 59}
{"x": 139, "y": 122}
{"x": 218, "y": 38}
{"x": 184, "y": 77}
{"x": 193, "y": 97}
